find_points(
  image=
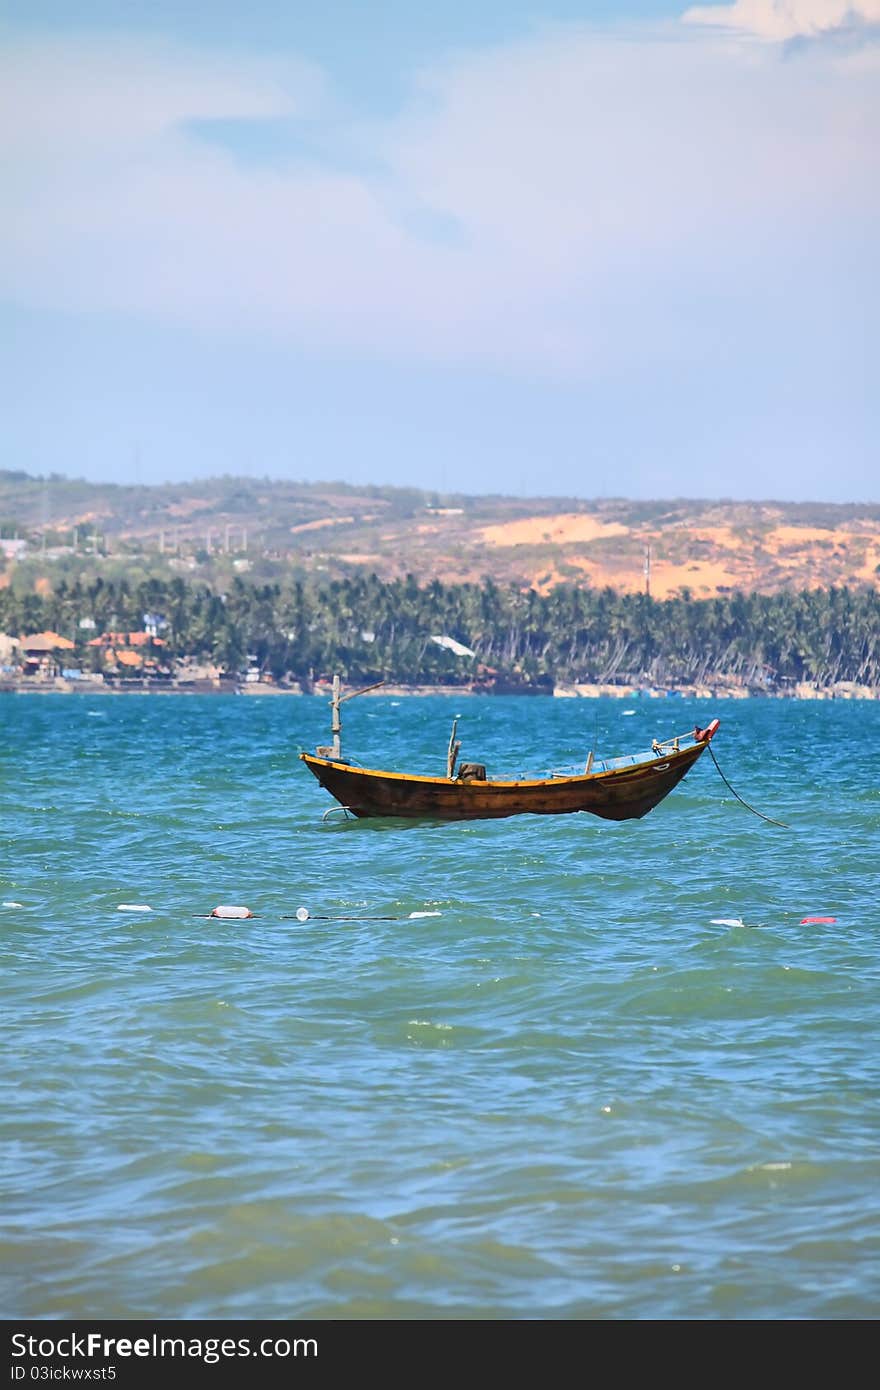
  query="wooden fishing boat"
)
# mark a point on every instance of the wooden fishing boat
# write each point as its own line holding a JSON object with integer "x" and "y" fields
{"x": 620, "y": 788}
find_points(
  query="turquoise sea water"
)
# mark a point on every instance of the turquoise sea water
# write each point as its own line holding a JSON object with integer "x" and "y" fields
{"x": 565, "y": 1093}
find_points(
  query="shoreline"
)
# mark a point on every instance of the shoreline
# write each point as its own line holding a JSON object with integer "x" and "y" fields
{"x": 843, "y": 690}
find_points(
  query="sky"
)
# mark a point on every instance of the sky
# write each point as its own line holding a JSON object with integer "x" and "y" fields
{"x": 542, "y": 247}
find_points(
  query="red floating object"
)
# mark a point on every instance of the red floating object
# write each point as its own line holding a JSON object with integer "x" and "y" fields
{"x": 805, "y": 921}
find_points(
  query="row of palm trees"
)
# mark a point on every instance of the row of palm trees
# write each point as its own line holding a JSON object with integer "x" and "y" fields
{"x": 367, "y": 628}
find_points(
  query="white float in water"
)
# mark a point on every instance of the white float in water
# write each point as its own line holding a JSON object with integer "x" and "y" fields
{"x": 302, "y": 914}
{"x": 423, "y": 914}
{"x": 12, "y": 904}
{"x": 223, "y": 910}
{"x": 727, "y": 922}
{"x": 133, "y": 907}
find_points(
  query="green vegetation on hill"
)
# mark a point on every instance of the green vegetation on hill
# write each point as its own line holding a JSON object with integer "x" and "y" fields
{"x": 57, "y": 501}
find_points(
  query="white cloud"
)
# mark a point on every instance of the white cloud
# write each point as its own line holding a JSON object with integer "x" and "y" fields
{"x": 614, "y": 197}
{"x": 787, "y": 19}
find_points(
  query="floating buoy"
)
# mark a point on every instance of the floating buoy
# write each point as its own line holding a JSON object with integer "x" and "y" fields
{"x": 302, "y": 914}
{"x": 11, "y": 904}
{"x": 414, "y": 915}
{"x": 806, "y": 921}
{"x": 133, "y": 907}
{"x": 727, "y": 922}
{"x": 236, "y": 912}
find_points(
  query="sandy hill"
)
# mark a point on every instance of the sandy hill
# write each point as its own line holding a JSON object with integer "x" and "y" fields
{"x": 705, "y": 547}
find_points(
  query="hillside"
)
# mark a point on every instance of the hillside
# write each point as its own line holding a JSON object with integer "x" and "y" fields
{"x": 705, "y": 548}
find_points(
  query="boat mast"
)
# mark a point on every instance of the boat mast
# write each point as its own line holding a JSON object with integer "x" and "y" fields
{"x": 336, "y": 720}
{"x": 452, "y": 751}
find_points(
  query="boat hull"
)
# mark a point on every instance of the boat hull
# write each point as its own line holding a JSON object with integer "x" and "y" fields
{"x": 621, "y": 793}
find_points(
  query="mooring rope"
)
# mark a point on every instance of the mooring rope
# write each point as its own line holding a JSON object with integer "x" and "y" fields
{"x": 741, "y": 799}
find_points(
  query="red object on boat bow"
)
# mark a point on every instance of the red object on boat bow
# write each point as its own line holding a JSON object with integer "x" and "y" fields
{"x": 706, "y": 735}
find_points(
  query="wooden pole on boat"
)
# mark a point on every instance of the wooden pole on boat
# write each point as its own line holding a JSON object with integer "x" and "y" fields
{"x": 592, "y": 753}
{"x": 452, "y": 751}
{"x": 336, "y": 721}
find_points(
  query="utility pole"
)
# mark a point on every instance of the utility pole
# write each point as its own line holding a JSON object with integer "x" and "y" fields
{"x": 648, "y": 570}
{"x": 45, "y": 510}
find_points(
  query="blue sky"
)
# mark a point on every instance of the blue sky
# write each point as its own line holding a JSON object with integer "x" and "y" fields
{"x": 560, "y": 248}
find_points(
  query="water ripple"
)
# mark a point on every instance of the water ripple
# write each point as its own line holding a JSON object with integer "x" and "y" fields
{"x": 574, "y": 1089}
